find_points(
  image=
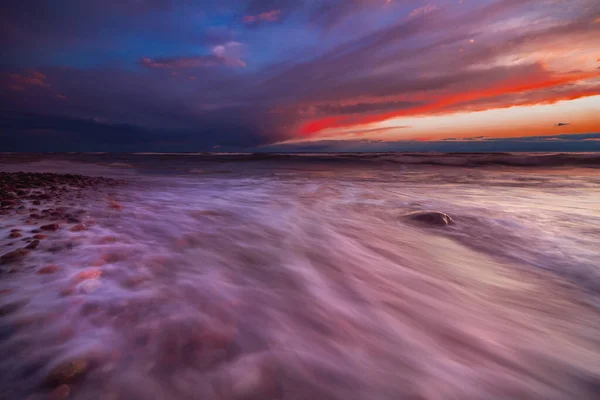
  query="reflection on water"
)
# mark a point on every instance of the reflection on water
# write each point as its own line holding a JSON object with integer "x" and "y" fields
{"x": 290, "y": 280}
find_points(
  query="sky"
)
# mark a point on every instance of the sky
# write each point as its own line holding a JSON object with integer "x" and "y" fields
{"x": 291, "y": 75}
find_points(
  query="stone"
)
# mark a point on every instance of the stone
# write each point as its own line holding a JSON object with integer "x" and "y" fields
{"x": 67, "y": 372}
{"x": 78, "y": 228}
{"x": 39, "y": 236}
{"x": 8, "y": 203}
{"x": 13, "y": 256}
{"x": 432, "y": 218}
{"x": 50, "y": 227}
{"x": 93, "y": 273}
{"x": 61, "y": 392}
{"x": 15, "y": 235}
{"x": 48, "y": 269}
{"x": 33, "y": 245}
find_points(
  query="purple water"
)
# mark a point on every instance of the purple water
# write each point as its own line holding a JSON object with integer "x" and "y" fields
{"x": 274, "y": 277}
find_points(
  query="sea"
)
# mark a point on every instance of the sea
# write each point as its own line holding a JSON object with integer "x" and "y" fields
{"x": 299, "y": 276}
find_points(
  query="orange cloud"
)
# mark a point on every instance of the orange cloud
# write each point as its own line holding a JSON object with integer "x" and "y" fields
{"x": 20, "y": 82}
{"x": 426, "y": 9}
{"x": 505, "y": 87}
{"x": 272, "y": 15}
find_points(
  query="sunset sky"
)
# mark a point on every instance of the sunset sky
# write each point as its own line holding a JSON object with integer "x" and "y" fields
{"x": 287, "y": 75}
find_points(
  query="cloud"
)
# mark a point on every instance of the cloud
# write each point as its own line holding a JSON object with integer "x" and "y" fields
{"x": 426, "y": 9}
{"x": 556, "y": 143}
{"x": 331, "y": 65}
{"x": 227, "y": 54}
{"x": 270, "y": 16}
{"x": 21, "y": 82}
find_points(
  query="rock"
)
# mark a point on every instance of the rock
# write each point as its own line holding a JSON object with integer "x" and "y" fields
{"x": 15, "y": 235}
{"x": 50, "y": 227}
{"x": 8, "y": 203}
{"x": 36, "y": 231}
{"x": 11, "y": 308}
{"x": 36, "y": 202}
{"x": 15, "y": 230}
{"x": 48, "y": 269}
{"x": 116, "y": 206}
{"x": 67, "y": 372}
{"x": 39, "y": 236}
{"x": 60, "y": 393}
{"x": 33, "y": 245}
{"x": 13, "y": 256}
{"x": 93, "y": 273}
{"x": 72, "y": 219}
{"x": 432, "y": 218}
{"x": 78, "y": 228}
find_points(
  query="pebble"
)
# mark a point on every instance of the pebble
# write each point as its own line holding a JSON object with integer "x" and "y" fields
{"x": 13, "y": 256}
{"x": 60, "y": 393}
{"x": 93, "y": 273}
{"x": 48, "y": 269}
{"x": 67, "y": 372}
{"x": 78, "y": 228}
{"x": 33, "y": 245}
{"x": 433, "y": 218}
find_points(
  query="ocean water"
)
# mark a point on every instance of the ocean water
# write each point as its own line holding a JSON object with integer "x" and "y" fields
{"x": 299, "y": 277}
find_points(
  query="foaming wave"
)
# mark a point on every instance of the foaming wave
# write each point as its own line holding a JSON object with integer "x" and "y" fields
{"x": 306, "y": 285}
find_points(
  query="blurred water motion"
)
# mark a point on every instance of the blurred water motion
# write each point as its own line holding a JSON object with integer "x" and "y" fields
{"x": 291, "y": 279}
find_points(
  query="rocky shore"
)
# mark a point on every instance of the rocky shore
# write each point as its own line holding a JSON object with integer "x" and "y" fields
{"x": 37, "y": 205}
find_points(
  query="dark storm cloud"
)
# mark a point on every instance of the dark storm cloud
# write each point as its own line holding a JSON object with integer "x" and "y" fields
{"x": 41, "y": 132}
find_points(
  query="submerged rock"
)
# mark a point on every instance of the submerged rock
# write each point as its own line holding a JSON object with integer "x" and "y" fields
{"x": 48, "y": 269}
{"x": 78, "y": 228}
{"x": 13, "y": 256}
{"x": 33, "y": 245}
{"x": 433, "y": 218}
{"x": 67, "y": 372}
{"x": 50, "y": 227}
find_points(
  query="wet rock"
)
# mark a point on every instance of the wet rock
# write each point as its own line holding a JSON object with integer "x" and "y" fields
{"x": 48, "y": 269}
{"x": 33, "y": 245}
{"x": 432, "y": 218}
{"x": 10, "y": 308}
{"x": 8, "y": 203}
{"x": 61, "y": 392}
{"x": 50, "y": 227}
{"x": 15, "y": 230}
{"x": 39, "y": 236}
{"x": 13, "y": 256}
{"x": 78, "y": 228}
{"x": 67, "y": 372}
{"x": 93, "y": 273}
{"x": 15, "y": 235}
{"x": 72, "y": 219}
{"x": 35, "y": 231}
{"x": 58, "y": 247}
{"x": 36, "y": 203}
{"x": 33, "y": 215}
{"x": 116, "y": 206}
